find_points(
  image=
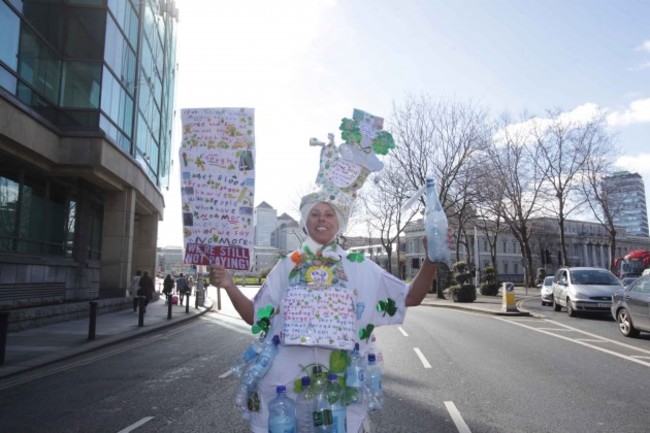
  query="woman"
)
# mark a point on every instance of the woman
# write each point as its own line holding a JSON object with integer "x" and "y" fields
{"x": 168, "y": 287}
{"x": 323, "y": 299}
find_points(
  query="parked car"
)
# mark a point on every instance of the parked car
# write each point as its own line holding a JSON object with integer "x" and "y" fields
{"x": 628, "y": 280}
{"x": 546, "y": 290}
{"x": 631, "y": 307}
{"x": 584, "y": 290}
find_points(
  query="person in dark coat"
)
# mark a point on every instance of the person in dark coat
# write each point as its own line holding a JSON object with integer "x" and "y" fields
{"x": 147, "y": 288}
{"x": 168, "y": 286}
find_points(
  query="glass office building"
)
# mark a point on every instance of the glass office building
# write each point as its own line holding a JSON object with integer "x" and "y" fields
{"x": 86, "y": 110}
{"x": 626, "y": 198}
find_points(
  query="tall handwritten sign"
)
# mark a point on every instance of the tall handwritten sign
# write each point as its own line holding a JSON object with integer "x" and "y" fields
{"x": 217, "y": 158}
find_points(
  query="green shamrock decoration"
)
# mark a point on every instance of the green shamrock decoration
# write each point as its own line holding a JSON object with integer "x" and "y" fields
{"x": 350, "y": 131}
{"x": 356, "y": 257}
{"x": 387, "y": 306}
{"x": 264, "y": 321}
{"x": 365, "y": 333}
{"x": 382, "y": 143}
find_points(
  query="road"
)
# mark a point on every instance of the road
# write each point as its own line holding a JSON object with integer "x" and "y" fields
{"x": 445, "y": 371}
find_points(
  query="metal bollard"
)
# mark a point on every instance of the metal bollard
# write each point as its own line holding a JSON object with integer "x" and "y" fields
{"x": 169, "y": 306}
{"x": 140, "y": 311}
{"x": 92, "y": 324}
{"x": 4, "y": 327}
{"x": 187, "y": 302}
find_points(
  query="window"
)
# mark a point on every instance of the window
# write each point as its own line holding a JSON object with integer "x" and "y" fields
{"x": 38, "y": 65}
{"x": 80, "y": 87}
{"x": 37, "y": 215}
{"x": 505, "y": 247}
{"x": 9, "y": 35}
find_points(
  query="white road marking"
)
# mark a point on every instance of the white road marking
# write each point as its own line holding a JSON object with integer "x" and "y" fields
{"x": 456, "y": 417}
{"x": 402, "y": 331}
{"x": 226, "y": 374}
{"x": 583, "y": 343}
{"x": 422, "y": 358}
{"x": 136, "y": 425}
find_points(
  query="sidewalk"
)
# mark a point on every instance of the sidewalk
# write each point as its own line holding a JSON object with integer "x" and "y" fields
{"x": 37, "y": 347}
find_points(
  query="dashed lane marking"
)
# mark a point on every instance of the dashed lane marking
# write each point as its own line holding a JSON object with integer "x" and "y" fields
{"x": 402, "y": 331}
{"x": 457, "y": 418}
{"x": 135, "y": 425}
{"x": 424, "y": 361}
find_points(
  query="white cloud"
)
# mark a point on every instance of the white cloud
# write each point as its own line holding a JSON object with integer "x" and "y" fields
{"x": 639, "y": 163}
{"x": 581, "y": 114}
{"x": 637, "y": 112}
{"x": 645, "y": 46}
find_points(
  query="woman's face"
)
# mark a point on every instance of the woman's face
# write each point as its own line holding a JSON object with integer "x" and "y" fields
{"x": 322, "y": 224}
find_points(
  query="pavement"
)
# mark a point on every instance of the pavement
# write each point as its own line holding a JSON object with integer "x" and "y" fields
{"x": 38, "y": 347}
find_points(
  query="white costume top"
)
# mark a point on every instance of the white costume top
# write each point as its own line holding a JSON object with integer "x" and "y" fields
{"x": 323, "y": 301}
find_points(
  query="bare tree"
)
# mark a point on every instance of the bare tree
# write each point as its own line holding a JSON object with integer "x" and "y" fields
{"x": 382, "y": 200}
{"x": 520, "y": 181}
{"x": 490, "y": 196}
{"x": 440, "y": 139}
{"x": 565, "y": 148}
{"x": 597, "y": 195}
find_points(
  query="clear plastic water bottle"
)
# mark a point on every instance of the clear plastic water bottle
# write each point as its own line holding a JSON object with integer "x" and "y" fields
{"x": 339, "y": 412}
{"x": 322, "y": 417}
{"x": 282, "y": 412}
{"x": 436, "y": 226}
{"x": 247, "y": 356}
{"x": 254, "y": 372}
{"x": 355, "y": 375}
{"x": 373, "y": 382}
{"x": 263, "y": 362}
{"x": 318, "y": 379}
{"x": 374, "y": 348}
{"x": 305, "y": 407}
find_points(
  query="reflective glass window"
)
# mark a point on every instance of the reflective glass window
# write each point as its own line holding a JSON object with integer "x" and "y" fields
{"x": 84, "y": 33}
{"x": 9, "y": 189}
{"x": 119, "y": 56}
{"x": 7, "y": 80}
{"x": 38, "y": 65}
{"x": 126, "y": 18}
{"x": 81, "y": 85}
{"x": 9, "y": 35}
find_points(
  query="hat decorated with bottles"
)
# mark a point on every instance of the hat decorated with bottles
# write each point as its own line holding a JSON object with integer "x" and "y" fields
{"x": 345, "y": 168}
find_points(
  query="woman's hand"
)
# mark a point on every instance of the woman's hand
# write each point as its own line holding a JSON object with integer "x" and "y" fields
{"x": 221, "y": 277}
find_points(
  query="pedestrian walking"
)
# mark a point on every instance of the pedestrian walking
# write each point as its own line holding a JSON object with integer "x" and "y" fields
{"x": 168, "y": 287}
{"x": 181, "y": 287}
{"x": 147, "y": 288}
{"x": 135, "y": 286}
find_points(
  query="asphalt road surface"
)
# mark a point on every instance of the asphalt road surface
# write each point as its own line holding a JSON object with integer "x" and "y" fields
{"x": 445, "y": 371}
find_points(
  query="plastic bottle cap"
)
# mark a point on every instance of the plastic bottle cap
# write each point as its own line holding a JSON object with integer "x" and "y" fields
{"x": 317, "y": 369}
{"x": 332, "y": 377}
{"x": 371, "y": 357}
{"x": 280, "y": 389}
{"x": 306, "y": 381}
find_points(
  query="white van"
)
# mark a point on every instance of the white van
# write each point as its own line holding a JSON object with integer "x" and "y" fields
{"x": 646, "y": 272}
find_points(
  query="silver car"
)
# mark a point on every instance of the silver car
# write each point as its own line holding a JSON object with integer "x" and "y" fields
{"x": 546, "y": 291}
{"x": 584, "y": 290}
{"x": 631, "y": 307}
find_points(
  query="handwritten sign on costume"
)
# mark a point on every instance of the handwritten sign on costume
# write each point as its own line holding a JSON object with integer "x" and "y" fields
{"x": 217, "y": 158}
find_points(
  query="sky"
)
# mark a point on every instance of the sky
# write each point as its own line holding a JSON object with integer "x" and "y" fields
{"x": 305, "y": 64}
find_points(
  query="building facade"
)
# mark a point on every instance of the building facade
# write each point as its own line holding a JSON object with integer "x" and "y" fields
{"x": 587, "y": 244}
{"x": 86, "y": 108}
{"x": 626, "y": 197}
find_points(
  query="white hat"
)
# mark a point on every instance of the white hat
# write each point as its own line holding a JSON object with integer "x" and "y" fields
{"x": 344, "y": 170}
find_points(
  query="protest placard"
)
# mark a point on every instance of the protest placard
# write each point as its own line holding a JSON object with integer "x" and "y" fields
{"x": 217, "y": 158}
